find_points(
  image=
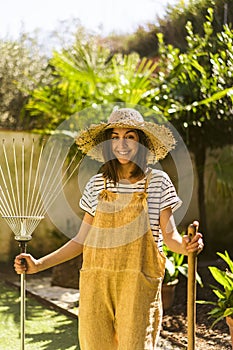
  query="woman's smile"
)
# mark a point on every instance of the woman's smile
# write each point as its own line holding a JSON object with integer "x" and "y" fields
{"x": 124, "y": 144}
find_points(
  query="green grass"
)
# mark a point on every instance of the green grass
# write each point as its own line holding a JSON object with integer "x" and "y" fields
{"x": 45, "y": 328}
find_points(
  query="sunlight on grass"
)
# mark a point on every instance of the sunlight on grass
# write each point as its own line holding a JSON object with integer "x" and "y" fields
{"x": 45, "y": 329}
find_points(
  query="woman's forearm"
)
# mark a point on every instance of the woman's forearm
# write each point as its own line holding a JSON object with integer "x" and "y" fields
{"x": 175, "y": 243}
{"x": 172, "y": 238}
{"x": 70, "y": 250}
{"x": 67, "y": 252}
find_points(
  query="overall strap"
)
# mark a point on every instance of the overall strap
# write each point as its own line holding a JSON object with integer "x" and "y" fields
{"x": 148, "y": 177}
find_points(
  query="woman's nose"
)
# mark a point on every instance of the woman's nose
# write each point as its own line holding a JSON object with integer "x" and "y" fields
{"x": 122, "y": 142}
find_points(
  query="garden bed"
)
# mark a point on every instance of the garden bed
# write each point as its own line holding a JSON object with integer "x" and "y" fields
{"x": 175, "y": 319}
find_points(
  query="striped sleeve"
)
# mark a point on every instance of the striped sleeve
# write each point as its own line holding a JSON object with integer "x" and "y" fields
{"x": 169, "y": 196}
{"x": 89, "y": 199}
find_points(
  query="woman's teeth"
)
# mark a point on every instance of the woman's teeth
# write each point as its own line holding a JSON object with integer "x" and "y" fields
{"x": 123, "y": 153}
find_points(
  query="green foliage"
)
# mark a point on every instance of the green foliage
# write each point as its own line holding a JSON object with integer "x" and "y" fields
{"x": 22, "y": 67}
{"x": 194, "y": 91}
{"x": 223, "y": 306}
{"x": 75, "y": 83}
{"x": 176, "y": 265}
{"x": 87, "y": 74}
{"x": 173, "y": 24}
{"x": 196, "y": 86}
{"x": 143, "y": 41}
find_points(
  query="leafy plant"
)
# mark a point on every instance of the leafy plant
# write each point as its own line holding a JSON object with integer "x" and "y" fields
{"x": 195, "y": 93}
{"x": 223, "y": 306}
{"x": 88, "y": 74}
{"x": 175, "y": 265}
{"x": 22, "y": 68}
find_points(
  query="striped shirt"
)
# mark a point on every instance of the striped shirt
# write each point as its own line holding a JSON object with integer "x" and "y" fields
{"x": 161, "y": 195}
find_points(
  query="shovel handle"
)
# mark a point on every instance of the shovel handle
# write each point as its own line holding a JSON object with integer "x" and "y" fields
{"x": 191, "y": 307}
{"x": 192, "y": 230}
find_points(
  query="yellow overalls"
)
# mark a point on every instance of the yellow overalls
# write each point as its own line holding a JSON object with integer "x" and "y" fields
{"x": 121, "y": 277}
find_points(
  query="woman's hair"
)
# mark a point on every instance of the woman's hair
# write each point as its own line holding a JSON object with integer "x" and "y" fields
{"x": 111, "y": 166}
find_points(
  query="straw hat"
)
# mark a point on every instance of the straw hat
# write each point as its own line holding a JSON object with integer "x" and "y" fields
{"x": 160, "y": 138}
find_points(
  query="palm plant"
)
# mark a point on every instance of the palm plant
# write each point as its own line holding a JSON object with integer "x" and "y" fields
{"x": 88, "y": 74}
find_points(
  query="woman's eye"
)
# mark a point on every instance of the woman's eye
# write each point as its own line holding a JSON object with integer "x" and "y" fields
{"x": 127, "y": 137}
{"x": 130, "y": 137}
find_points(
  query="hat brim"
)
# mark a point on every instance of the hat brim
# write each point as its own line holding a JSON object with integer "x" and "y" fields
{"x": 160, "y": 139}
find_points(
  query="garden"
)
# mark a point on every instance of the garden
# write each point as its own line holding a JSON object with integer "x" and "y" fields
{"x": 180, "y": 71}
{"x": 51, "y": 316}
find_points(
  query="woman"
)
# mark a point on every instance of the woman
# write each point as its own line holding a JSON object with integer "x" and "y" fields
{"x": 128, "y": 214}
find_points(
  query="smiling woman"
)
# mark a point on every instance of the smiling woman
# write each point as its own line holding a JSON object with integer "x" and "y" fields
{"x": 128, "y": 213}
{"x": 128, "y": 148}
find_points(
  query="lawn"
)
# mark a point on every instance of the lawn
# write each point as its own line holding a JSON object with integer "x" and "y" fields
{"x": 45, "y": 328}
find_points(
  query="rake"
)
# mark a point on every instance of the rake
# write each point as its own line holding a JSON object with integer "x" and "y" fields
{"x": 30, "y": 182}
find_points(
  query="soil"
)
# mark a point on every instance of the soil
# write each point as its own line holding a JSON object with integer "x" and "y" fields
{"x": 174, "y": 326}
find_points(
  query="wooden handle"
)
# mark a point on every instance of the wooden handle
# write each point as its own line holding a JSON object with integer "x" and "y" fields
{"x": 192, "y": 231}
{"x": 191, "y": 307}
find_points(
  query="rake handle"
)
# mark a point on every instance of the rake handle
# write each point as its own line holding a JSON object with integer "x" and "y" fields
{"x": 191, "y": 307}
{"x": 22, "y": 245}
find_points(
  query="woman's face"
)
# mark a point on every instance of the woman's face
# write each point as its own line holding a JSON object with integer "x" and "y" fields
{"x": 124, "y": 144}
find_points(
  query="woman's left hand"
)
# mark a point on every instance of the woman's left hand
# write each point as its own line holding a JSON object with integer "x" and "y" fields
{"x": 196, "y": 244}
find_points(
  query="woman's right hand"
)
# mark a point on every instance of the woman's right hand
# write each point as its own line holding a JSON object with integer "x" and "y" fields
{"x": 25, "y": 263}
